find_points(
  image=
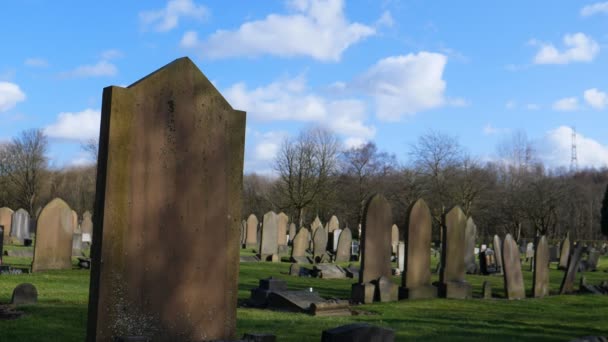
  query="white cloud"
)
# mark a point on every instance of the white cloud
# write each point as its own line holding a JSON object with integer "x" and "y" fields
{"x": 566, "y": 104}
{"x": 558, "y": 143}
{"x": 36, "y": 62}
{"x": 111, "y": 54}
{"x": 595, "y": 98}
{"x": 404, "y": 85}
{"x": 75, "y": 126}
{"x": 489, "y": 129}
{"x": 532, "y": 106}
{"x": 10, "y": 95}
{"x": 386, "y": 19}
{"x": 596, "y": 8}
{"x": 166, "y": 19}
{"x": 316, "y": 28}
{"x": 82, "y": 160}
{"x": 578, "y": 47}
{"x": 102, "y": 68}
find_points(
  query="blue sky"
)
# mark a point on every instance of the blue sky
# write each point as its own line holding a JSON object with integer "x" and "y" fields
{"x": 386, "y": 71}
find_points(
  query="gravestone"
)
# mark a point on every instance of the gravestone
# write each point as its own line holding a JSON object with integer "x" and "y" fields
{"x": 401, "y": 256}
{"x": 87, "y": 227}
{"x": 292, "y": 232}
{"x": 344, "y": 246}
{"x": 77, "y": 244}
{"x": 564, "y": 253}
{"x": 333, "y": 224}
{"x": 243, "y": 235}
{"x": 416, "y": 278}
{"x": 1, "y": 243}
{"x": 319, "y": 244}
{"x": 20, "y": 225}
{"x": 540, "y": 280}
{"x": 282, "y": 221}
{"x": 335, "y": 237}
{"x": 298, "y": 250}
{"x": 554, "y": 253}
{"x": 529, "y": 251}
{"x": 269, "y": 249}
{"x": 24, "y": 294}
{"x": 487, "y": 290}
{"x": 6, "y": 219}
{"x": 358, "y": 332}
{"x": 252, "y": 232}
{"x": 375, "y": 252}
{"x": 315, "y": 224}
{"x": 469, "y": 253}
{"x": 513, "y": 279}
{"x": 167, "y": 210}
{"x": 452, "y": 283}
{"x": 53, "y": 248}
{"x": 570, "y": 274}
{"x": 497, "y": 244}
{"x": 394, "y": 238}
{"x": 75, "y": 227}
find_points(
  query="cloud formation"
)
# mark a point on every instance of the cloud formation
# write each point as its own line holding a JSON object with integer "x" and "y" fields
{"x": 566, "y": 104}
{"x": 558, "y": 143}
{"x": 167, "y": 19}
{"x": 78, "y": 126}
{"x": 578, "y": 47}
{"x": 10, "y": 95}
{"x": 99, "y": 69}
{"x": 36, "y": 62}
{"x": 595, "y": 98}
{"x": 596, "y": 8}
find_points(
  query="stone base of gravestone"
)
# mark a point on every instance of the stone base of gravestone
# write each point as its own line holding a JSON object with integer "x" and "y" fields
{"x": 330, "y": 308}
{"x": 420, "y": 292}
{"x": 358, "y": 332}
{"x": 455, "y": 290}
{"x": 386, "y": 290}
{"x": 363, "y": 293}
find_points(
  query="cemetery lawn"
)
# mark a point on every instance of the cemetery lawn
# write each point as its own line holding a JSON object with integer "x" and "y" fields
{"x": 61, "y": 312}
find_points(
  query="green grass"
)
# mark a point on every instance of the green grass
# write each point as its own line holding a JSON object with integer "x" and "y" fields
{"x": 62, "y": 309}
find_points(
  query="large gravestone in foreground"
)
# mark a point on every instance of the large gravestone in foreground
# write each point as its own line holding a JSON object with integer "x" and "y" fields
{"x": 452, "y": 283}
{"x": 53, "y": 249}
{"x": 416, "y": 278}
{"x": 540, "y": 280}
{"x": 6, "y": 218}
{"x": 20, "y": 225}
{"x": 513, "y": 279}
{"x": 375, "y": 254}
{"x": 167, "y": 210}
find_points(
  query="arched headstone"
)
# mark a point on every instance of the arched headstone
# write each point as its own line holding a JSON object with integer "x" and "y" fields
{"x": 6, "y": 219}
{"x": 497, "y": 243}
{"x": 452, "y": 283}
{"x": 53, "y": 248}
{"x": 344, "y": 246}
{"x": 252, "y": 232}
{"x": 514, "y": 281}
{"x": 540, "y": 282}
{"x": 268, "y": 246}
{"x": 20, "y": 225}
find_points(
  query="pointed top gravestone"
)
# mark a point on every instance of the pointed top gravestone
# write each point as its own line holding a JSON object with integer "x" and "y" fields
{"x": 292, "y": 231}
{"x": 6, "y": 219}
{"x": 315, "y": 224}
{"x": 540, "y": 280}
{"x": 53, "y": 248}
{"x": 75, "y": 227}
{"x": 497, "y": 243}
{"x": 394, "y": 238}
{"x": 251, "y": 237}
{"x": 344, "y": 245}
{"x": 282, "y": 221}
{"x": 452, "y": 272}
{"x": 469, "y": 252}
{"x": 300, "y": 243}
{"x": 513, "y": 278}
{"x": 565, "y": 253}
{"x": 20, "y": 225}
{"x": 269, "y": 248}
{"x": 333, "y": 224}
{"x": 167, "y": 210}
{"x": 319, "y": 244}
{"x": 570, "y": 274}
{"x": 416, "y": 278}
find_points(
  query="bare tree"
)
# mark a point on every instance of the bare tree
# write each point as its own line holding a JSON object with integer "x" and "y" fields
{"x": 91, "y": 146}
{"x": 22, "y": 163}
{"x": 305, "y": 166}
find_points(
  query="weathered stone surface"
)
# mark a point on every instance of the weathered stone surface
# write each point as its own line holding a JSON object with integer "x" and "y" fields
{"x": 529, "y": 250}
{"x": 167, "y": 210}
{"x": 497, "y": 244}
{"x": 20, "y": 225}
{"x": 75, "y": 226}
{"x": 469, "y": 252}
{"x": 6, "y": 219}
{"x": 452, "y": 272}
{"x": 344, "y": 244}
{"x": 593, "y": 258}
{"x": 570, "y": 274}
{"x": 282, "y": 221}
{"x": 487, "y": 290}
{"x": 87, "y": 227}
{"x": 335, "y": 237}
{"x": 513, "y": 279}
{"x": 268, "y": 245}
{"x": 416, "y": 279}
{"x": 564, "y": 253}
{"x": 333, "y": 224}
{"x": 401, "y": 256}
{"x": 53, "y": 249}
{"x": 292, "y": 231}
{"x": 24, "y": 294}
{"x": 319, "y": 243}
{"x": 540, "y": 280}
{"x": 77, "y": 244}
{"x": 329, "y": 271}
{"x": 300, "y": 243}
{"x": 358, "y": 332}
{"x": 394, "y": 238}
{"x": 315, "y": 224}
{"x": 252, "y": 232}
{"x": 386, "y": 290}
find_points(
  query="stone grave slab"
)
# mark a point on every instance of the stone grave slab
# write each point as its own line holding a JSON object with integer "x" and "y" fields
{"x": 358, "y": 332}
{"x": 513, "y": 278}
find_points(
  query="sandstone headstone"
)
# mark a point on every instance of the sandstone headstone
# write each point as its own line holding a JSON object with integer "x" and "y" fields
{"x": 487, "y": 290}
{"x": 335, "y": 238}
{"x": 375, "y": 249}
{"x": 269, "y": 248}
{"x": 529, "y": 251}
{"x": 315, "y": 224}
{"x": 292, "y": 232}
{"x": 6, "y": 219}
{"x": 497, "y": 243}
{"x": 87, "y": 227}
{"x": 452, "y": 283}
{"x": 282, "y": 221}
{"x": 319, "y": 244}
{"x": 416, "y": 279}
{"x": 75, "y": 227}
{"x": 358, "y": 332}
{"x": 167, "y": 210}
{"x": 540, "y": 280}
{"x": 77, "y": 244}
{"x": 401, "y": 256}
{"x": 24, "y": 294}
{"x": 469, "y": 253}
{"x": 394, "y": 238}
{"x": 333, "y": 224}
{"x": 20, "y": 225}
{"x": 564, "y": 253}
{"x": 300, "y": 242}
{"x": 514, "y": 281}
{"x": 570, "y": 275}
{"x": 53, "y": 249}
{"x": 252, "y": 232}
{"x": 344, "y": 246}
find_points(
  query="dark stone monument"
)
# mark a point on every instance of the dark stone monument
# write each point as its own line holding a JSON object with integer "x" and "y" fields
{"x": 452, "y": 283}
{"x": 358, "y": 332}
{"x": 514, "y": 281}
{"x": 570, "y": 275}
{"x": 167, "y": 210}
{"x": 487, "y": 262}
{"x": 416, "y": 278}
{"x": 540, "y": 280}
{"x": 24, "y": 294}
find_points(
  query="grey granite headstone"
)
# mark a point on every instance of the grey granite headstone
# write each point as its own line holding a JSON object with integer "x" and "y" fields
{"x": 401, "y": 256}
{"x": 268, "y": 246}
{"x": 20, "y": 225}
{"x": 514, "y": 281}
{"x": 335, "y": 238}
{"x": 540, "y": 280}
{"x": 344, "y": 246}
{"x": 452, "y": 283}
{"x": 77, "y": 244}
